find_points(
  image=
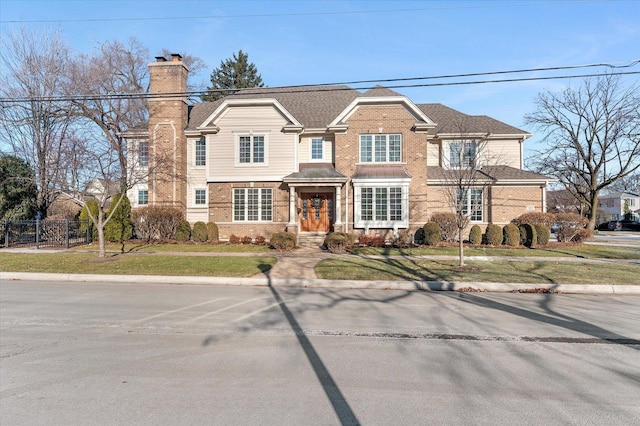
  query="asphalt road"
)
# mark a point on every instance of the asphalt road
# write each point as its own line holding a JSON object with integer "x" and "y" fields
{"x": 113, "y": 354}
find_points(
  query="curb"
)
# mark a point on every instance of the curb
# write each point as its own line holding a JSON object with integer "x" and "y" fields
{"x": 337, "y": 284}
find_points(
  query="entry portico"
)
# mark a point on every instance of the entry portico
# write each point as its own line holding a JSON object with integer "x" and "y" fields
{"x": 315, "y": 197}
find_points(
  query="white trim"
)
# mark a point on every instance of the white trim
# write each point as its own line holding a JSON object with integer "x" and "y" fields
{"x": 358, "y": 184}
{"x": 245, "y": 190}
{"x": 322, "y": 147}
{"x": 373, "y": 148}
{"x": 193, "y": 198}
{"x": 252, "y": 134}
{"x": 229, "y": 103}
{"x": 381, "y": 101}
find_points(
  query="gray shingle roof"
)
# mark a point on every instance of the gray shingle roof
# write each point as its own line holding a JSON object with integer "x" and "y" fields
{"x": 316, "y": 171}
{"x": 378, "y": 171}
{"x": 318, "y": 106}
{"x": 450, "y": 120}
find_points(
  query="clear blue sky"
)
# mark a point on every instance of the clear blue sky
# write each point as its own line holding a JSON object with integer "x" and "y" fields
{"x": 310, "y": 42}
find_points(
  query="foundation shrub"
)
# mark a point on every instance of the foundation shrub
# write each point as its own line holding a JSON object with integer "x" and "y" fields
{"x": 246, "y": 240}
{"x": 200, "y": 232}
{"x": 511, "y": 235}
{"x": 283, "y": 241}
{"x": 493, "y": 235}
{"x": 260, "y": 240}
{"x": 535, "y": 218}
{"x": 569, "y": 225}
{"x": 543, "y": 234}
{"x": 183, "y": 231}
{"x": 370, "y": 241}
{"x": 401, "y": 240}
{"x": 234, "y": 239}
{"x": 528, "y": 235}
{"x": 156, "y": 222}
{"x": 582, "y": 235}
{"x": 475, "y": 235}
{"x": 418, "y": 236}
{"x": 447, "y": 224}
{"x": 432, "y": 234}
{"x": 212, "y": 232}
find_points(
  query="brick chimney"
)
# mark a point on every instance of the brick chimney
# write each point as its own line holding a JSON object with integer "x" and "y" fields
{"x": 167, "y": 142}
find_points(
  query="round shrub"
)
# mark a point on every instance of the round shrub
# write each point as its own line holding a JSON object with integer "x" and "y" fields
{"x": 283, "y": 241}
{"x": 200, "y": 232}
{"x": 432, "y": 233}
{"x": 336, "y": 242}
{"x": 528, "y": 235}
{"x": 536, "y": 218}
{"x": 212, "y": 232}
{"x": 493, "y": 235}
{"x": 475, "y": 235}
{"x": 543, "y": 233}
{"x": 511, "y": 235}
{"x": 183, "y": 231}
{"x": 448, "y": 225}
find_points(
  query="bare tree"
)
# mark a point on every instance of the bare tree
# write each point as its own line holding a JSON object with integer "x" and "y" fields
{"x": 35, "y": 122}
{"x": 464, "y": 182}
{"x": 108, "y": 89}
{"x": 591, "y": 136}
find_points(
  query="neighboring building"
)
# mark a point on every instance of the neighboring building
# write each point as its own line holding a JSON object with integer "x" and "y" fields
{"x": 562, "y": 201}
{"x": 614, "y": 206}
{"x": 320, "y": 159}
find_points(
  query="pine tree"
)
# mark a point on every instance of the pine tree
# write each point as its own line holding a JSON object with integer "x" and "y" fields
{"x": 233, "y": 73}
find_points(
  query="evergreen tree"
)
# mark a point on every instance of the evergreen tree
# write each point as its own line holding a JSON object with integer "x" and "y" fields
{"x": 18, "y": 193}
{"x": 234, "y": 73}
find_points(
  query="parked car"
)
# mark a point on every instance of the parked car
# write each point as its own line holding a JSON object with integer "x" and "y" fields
{"x": 624, "y": 225}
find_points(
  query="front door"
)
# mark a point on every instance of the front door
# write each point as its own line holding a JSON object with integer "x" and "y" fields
{"x": 316, "y": 213}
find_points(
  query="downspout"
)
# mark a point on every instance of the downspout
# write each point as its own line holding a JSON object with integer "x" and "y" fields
{"x": 346, "y": 207}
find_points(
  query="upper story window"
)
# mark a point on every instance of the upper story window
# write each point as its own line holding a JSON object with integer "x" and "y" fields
{"x": 317, "y": 152}
{"x": 462, "y": 154}
{"x": 380, "y": 148}
{"x": 252, "y": 149}
{"x": 201, "y": 153}
{"x": 143, "y": 153}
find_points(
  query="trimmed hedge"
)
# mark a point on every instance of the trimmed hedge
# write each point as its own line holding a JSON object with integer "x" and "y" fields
{"x": 156, "y": 222}
{"x": 536, "y": 218}
{"x": 212, "y": 232}
{"x": 200, "y": 232}
{"x": 493, "y": 235}
{"x": 283, "y": 241}
{"x": 432, "y": 233}
{"x": 528, "y": 235}
{"x": 339, "y": 241}
{"x": 511, "y": 235}
{"x": 183, "y": 231}
{"x": 569, "y": 226}
{"x": 475, "y": 235}
{"x": 543, "y": 233}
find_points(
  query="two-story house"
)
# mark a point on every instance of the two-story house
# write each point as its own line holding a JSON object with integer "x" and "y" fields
{"x": 316, "y": 159}
{"x": 617, "y": 205}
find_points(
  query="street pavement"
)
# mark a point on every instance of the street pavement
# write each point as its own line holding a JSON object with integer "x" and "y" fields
{"x": 104, "y": 353}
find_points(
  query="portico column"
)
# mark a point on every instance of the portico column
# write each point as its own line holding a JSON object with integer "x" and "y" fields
{"x": 338, "y": 212}
{"x": 292, "y": 206}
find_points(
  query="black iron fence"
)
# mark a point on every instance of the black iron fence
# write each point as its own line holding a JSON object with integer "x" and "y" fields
{"x": 44, "y": 233}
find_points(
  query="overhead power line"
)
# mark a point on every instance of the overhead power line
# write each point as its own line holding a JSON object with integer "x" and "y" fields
{"x": 342, "y": 86}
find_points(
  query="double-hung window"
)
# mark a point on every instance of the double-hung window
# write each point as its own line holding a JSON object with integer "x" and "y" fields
{"x": 251, "y": 150}
{"x": 462, "y": 154}
{"x": 143, "y": 197}
{"x": 200, "y": 197}
{"x": 380, "y": 148}
{"x": 201, "y": 152}
{"x": 143, "y": 153}
{"x": 470, "y": 203}
{"x": 381, "y": 204}
{"x": 252, "y": 204}
{"x": 317, "y": 149}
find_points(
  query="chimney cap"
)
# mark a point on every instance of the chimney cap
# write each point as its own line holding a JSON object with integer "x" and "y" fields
{"x": 161, "y": 59}
{"x": 176, "y": 57}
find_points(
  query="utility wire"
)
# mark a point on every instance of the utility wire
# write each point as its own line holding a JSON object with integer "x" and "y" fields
{"x": 326, "y": 87}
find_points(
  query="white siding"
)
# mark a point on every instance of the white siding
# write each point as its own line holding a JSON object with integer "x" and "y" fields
{"x": 433, "y": 154}
{"x": 304, "y": 155}
{"x": 222, "y": 147}
{"x": 504, "y": 152}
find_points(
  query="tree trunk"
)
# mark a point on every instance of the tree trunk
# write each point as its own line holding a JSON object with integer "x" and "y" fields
{"x": 102, "y": 250}
{"x": 461, "y": 247}
{"x": 593, "y": 213}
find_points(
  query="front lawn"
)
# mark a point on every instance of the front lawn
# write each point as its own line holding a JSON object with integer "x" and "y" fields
{"x": 137, "y": 264}
{"x": 135, "y": 246}
{"x": 520, "y": 271}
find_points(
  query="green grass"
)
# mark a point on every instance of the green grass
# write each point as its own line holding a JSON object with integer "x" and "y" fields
{"x": 582, "y": 251}
{"x": 138, "y": 247}
{"x": 521, "y": 271}
{"x": 137, "y": 264}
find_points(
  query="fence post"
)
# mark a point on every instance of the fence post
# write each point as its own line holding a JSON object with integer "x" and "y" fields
{"x": 37, "y": 234}
{"x": 66, "y": 233}
{"x": 6, "y": 233}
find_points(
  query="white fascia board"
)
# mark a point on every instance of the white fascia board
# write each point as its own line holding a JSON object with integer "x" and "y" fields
{"x": 382, "y": 100}
{"x": 232, "y": 179}
{"x": 230, "y": 103}
{"x": 380, "y": 181}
